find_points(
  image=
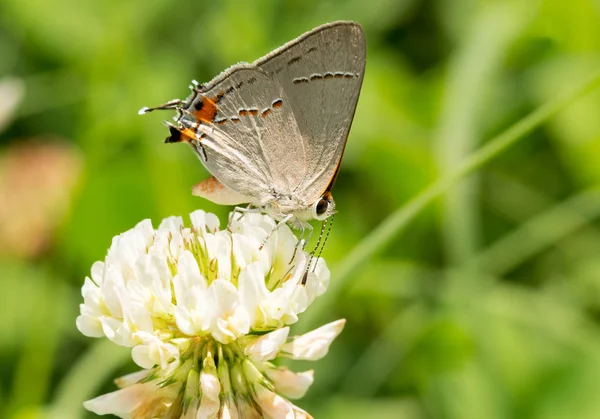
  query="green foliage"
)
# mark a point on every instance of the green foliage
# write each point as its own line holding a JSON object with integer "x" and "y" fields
{"x": 465, "y": 255}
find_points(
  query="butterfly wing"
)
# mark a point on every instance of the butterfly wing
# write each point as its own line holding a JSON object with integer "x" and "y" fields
{"x": 278, "y": 127}
{"x": 321, "y": 73}
{"x": 248, "y": 129}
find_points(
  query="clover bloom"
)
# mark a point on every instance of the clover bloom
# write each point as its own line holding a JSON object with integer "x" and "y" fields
{"x": 206, "y": 313}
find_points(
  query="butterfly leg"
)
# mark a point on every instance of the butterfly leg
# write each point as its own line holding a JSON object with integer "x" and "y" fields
{"x": 309, "y": 227}
{"x": 301, "y": 244}
{"x": 279, "y": 224}
{"x": 241, "y": 211}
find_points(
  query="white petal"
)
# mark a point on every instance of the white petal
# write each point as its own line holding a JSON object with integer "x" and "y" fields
{"x": 228, "y": 411}
{"x": 245, "y": 249}
{"x": 273, "y": 405}
{"x": 144, "y": 356}
{"x": 230, "y": 319}
{"x": 203, "y": 221}
{"x": 240, "y": 321}
{"x": 253, "y": 292}
{"x": 198, "y": 219}
{"x": 146, "y": 231}
{"x": 299, "y": 413}
{"x": 221, "y": 331}
{"x": 192, "y": 312}
{"x": 246, "y": 410}
{"x": 224, "y": 295}
{"x": 282, "y": 246}
{"x": 296, "y": 299}
{"x": 211, "y": 388}
{"x": 117, "y": 331}
{"x": 313, "y": 345}
{"x": 153, "y": 351}
{"x": 318, "y": 277}
{"x": 126, "y": 247}
{"x": 89, "y": 326}
{"x": 120, "y": 403}
{"x": 135, "y": 311}
{"x": 113, "y": 286}
{"x": 139, "y": 400}
{"x": 171, "y": 224}
{"x": 160, "y": 245}
{"x": 98, "y": 272}
{"x": 93, "y": 298}
{"x": 218, "y": 246}
{"x": 290, "y": 384}
{"x": 131, "y": 379}
{"x": 155, "y": 280}
{"x": 188, "y": 277}
{"x": 267, "y": 346}
{"x": 229, "y": 328}
{"x": 251, "y": 225}
{"x": 194, "y": 321}
{"x": 187, "y": 266}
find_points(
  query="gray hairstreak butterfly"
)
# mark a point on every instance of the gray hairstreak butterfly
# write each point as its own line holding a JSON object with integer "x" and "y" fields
{"x": 272, "y": 133}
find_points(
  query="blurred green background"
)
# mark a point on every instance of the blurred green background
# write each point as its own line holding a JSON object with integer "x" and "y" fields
{"x": 487, "y": 305}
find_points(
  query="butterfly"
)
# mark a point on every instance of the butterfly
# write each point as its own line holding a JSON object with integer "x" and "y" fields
{"x": 272, "y": 133}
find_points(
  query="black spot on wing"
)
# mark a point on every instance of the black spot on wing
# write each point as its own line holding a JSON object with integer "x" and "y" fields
{"x": 294, "y": 60}
{"x": 174, "y": 137}
{"x": 299, "y": 80}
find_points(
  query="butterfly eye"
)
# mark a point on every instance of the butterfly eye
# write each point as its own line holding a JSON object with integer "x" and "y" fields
{"x": 322, "y": 206}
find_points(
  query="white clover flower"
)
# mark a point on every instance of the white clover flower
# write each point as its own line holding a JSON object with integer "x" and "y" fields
{"x": 206, "y": 312}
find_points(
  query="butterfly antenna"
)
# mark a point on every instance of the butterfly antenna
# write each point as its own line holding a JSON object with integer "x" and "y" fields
{"x": 330, "y": 220}
{"x": 319, "y": 239}
{"x": 172, "y": 104}
{"x": 326, "y": 224}
{"x": 312, "y": 253}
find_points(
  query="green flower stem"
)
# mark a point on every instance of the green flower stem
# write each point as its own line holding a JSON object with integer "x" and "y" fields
{"x": 396, "y": 221}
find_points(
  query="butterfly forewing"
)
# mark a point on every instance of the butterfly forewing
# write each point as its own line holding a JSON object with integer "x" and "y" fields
{"x": 321, "y": 73}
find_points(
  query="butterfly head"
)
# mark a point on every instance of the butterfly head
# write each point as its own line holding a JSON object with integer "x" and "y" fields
{"x": 323, "y": 207}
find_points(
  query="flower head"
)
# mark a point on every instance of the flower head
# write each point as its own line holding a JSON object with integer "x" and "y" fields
{"x": 206, "y": 312}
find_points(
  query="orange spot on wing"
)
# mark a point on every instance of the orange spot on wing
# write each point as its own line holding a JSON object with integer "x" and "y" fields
{"x": 206, "y": 111}
{"x": 266, "y": 112}
{"x": 278, "y": 103}
{"x": 188, "y": 134}
{"x": 209, "y": 186}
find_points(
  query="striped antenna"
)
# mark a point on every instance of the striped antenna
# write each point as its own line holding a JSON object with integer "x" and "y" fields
{"x": 330, "y": 219}
{"x": 327, "y": 223}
